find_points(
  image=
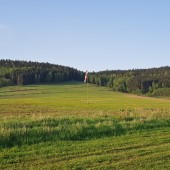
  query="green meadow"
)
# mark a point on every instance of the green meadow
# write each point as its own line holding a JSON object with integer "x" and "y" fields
{"x": 81, "y": 126}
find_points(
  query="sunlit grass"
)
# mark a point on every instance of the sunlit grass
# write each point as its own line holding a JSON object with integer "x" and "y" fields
{"x": 71, "y": 100}
{"x": 81, "y": 126}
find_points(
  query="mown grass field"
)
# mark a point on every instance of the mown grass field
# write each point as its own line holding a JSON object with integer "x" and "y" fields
{"x": 80, "y": 126}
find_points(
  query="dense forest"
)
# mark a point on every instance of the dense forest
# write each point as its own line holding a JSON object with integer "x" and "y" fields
{"x": 23, "y": 72}
{"x": 153, "y": 82}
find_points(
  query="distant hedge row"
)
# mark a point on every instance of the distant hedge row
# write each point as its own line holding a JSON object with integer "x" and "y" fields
{"x": 161, "y": 92}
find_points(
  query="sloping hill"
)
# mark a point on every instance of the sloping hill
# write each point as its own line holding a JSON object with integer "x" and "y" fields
{"x": 80, "y": 126}
{"x": 23, "y": 72}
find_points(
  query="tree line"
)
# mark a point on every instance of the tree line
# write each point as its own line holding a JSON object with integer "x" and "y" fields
{"x": 139, "y": 81}
{"x": 154, "y": 81}
{"x": 23, "y": 72}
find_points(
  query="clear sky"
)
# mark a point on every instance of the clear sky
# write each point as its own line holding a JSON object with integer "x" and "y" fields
{"x": 87, "y": 34}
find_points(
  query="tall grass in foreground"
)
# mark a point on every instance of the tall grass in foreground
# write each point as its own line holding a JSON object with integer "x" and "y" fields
{"x": 30, "y": 132}
{"x": 52, "y": 127}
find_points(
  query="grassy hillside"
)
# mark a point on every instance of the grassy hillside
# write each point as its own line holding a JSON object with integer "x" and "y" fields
{"x": 80, "y": 126}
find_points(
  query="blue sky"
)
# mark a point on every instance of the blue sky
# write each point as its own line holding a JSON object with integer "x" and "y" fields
{"x": 87, "y": 34}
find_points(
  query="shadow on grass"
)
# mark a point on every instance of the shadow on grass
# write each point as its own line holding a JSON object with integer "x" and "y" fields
{"x": 31, "y": 132}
